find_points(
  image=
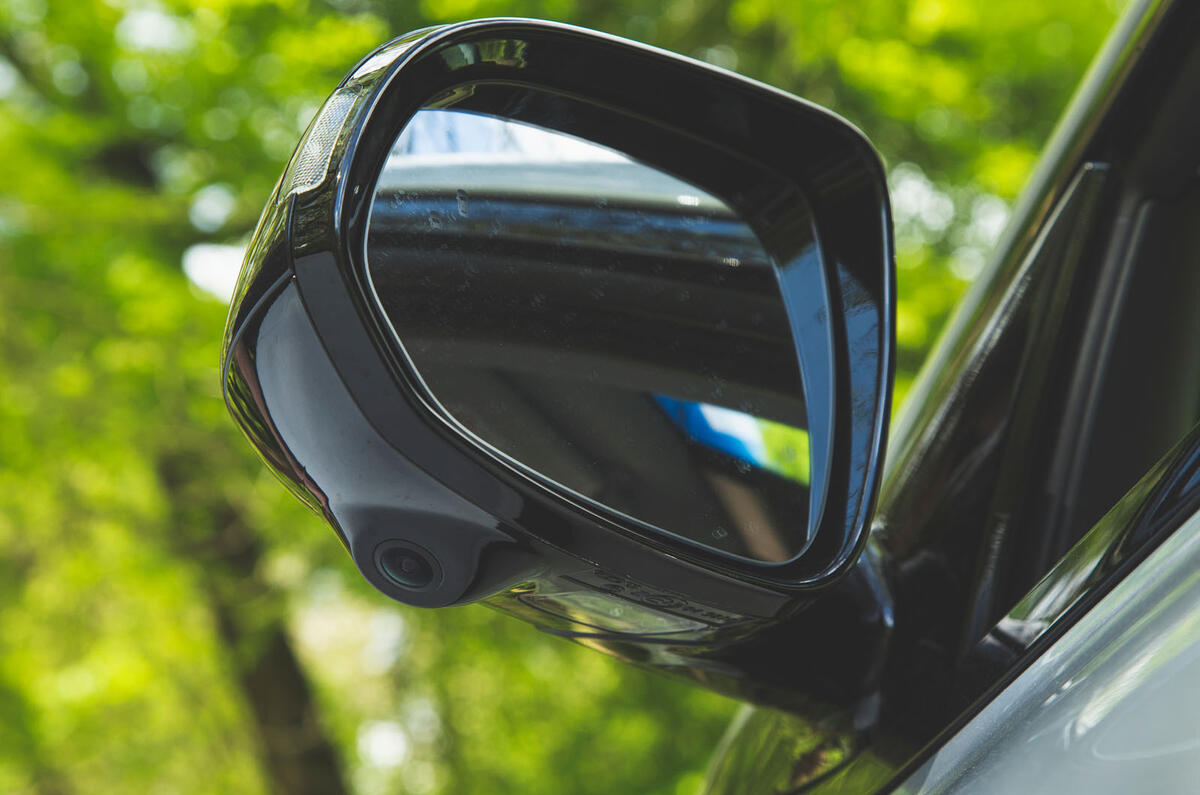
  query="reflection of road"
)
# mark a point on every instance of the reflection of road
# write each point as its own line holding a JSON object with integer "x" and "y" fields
{"x": 743, "y": 437}
{"x": 751, "y": 518}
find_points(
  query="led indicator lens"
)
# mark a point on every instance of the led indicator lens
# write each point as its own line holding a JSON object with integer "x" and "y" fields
{"x": 610, "y": 613}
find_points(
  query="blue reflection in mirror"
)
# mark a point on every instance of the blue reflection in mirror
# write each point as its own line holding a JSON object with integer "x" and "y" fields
{"x": 754, "y": 441}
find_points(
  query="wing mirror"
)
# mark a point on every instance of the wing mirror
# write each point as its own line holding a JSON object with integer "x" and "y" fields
{"x": 593, "y": 332}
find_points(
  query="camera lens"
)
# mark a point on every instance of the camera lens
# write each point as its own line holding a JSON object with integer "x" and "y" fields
{"x": 406, "y": 566}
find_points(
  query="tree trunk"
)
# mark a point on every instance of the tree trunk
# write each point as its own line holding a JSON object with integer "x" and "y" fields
{"x": 297, "y": 756}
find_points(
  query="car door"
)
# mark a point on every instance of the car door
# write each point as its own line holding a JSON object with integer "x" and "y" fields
{"x": 1069, "y": 377}
{"x": 1112, "y": 704}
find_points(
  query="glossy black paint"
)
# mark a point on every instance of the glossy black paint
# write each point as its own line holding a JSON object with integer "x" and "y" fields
{"x": 379, "y": 460}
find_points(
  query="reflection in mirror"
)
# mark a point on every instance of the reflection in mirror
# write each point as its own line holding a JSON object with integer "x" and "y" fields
{"x": 606, "y": 325}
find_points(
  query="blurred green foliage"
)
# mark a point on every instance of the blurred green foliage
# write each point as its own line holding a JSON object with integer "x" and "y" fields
{"x": 170, "y": 620}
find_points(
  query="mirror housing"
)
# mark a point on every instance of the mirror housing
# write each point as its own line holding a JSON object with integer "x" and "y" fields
{"x": 323, "y": 386}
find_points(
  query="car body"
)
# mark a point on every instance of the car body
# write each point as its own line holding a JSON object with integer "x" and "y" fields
{"x": 1068, "y": 378}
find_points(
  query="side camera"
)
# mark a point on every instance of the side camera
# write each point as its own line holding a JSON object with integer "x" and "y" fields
{"x": 407, "y": 565}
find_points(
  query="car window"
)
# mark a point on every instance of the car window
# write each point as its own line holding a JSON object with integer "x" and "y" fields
{"x": 1148, "y": 390}
{"x": 1129, "y": 372}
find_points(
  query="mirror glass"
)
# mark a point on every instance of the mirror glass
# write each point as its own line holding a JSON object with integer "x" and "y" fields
{"x": 614, "y": 329}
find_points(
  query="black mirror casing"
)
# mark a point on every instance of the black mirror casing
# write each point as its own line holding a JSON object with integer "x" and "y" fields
{"x": 318, "y": 381}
